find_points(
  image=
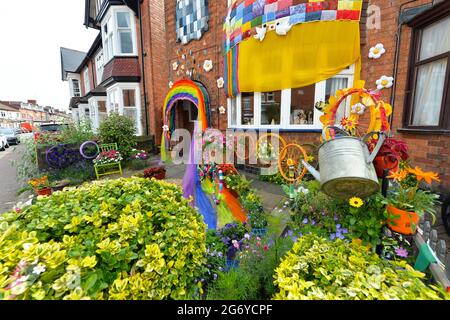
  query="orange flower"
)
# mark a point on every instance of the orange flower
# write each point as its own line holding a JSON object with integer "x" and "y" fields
{"x": 398, "y": 176}
{"x": 427, "y": 176}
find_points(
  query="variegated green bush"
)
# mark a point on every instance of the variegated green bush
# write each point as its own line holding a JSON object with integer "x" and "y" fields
{"x": 317, "y": 268}
{"x": 122, "y": 239}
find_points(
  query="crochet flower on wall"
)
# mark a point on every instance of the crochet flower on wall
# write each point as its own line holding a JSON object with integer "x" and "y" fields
{"x": 165, "y": 128}
{"x": 377, "y": 51}
{"x": 208, "y": 65}
{"x": 170, "y": 84}
{"x": 222, "y": 110}
{"x": 175, "y": 66}
{"x": 385, "y": 82}
{"x": 220, "y": 83}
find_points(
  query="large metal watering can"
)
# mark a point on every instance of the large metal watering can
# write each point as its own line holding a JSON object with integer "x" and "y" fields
{"x": 346, "y": 168}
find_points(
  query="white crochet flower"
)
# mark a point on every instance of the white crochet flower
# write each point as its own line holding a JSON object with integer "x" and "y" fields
{"x": 175, "y": 66}
{"x": 385, "y": 82}
{"x": 220, "y": 83}
{"x": 208, "y": 65}
{"x": 165, "y": 128}
{"x": 222, "y": 110}
{"x": 358, "y": 108}
{"x": 170, "y": 84}
{"x": 377, "y": 51}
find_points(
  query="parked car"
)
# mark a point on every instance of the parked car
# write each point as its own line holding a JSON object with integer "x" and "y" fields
{"x": 3, "y": 142}
{"x": 53, "y": 127}
{"x": 11, "y": 135}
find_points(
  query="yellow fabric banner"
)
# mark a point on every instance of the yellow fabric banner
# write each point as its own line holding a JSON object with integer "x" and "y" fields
{"x": 309, "y": 53}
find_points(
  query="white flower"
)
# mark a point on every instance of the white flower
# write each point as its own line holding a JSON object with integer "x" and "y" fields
{"x": 39, "y": 269}
{"x": 165, "y": 128}
{"x": 377, "y": 51}
{"x": 175, "y": 66}
{"x": 19, "y": 289}
{"x": 222, "y": 110}
{"x": 358, "y": 108}
{"x": 170, "y": 84}
{"x": 208, "y": 65}
{"x": 220, "y": 82}
{"x": 27, "y": 246}
{"x": 385, "y": 82}
{"x": 303, "y": 190}
{"x": 23, "y": 279}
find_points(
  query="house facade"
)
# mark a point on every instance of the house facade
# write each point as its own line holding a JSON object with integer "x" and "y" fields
{"x": 9, "y": 116}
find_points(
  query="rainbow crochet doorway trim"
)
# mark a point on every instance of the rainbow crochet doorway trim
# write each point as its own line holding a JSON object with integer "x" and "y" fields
{"x": 184, "y": 90}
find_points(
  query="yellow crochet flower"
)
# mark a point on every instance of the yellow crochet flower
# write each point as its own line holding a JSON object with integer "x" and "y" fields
{"x": 356, "y": 202}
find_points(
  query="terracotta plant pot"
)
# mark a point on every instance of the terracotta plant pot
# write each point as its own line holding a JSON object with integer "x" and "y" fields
{"x": 385, "y": 162}
{"x": 44, "y": 192}
{"x": 401, "y": 221}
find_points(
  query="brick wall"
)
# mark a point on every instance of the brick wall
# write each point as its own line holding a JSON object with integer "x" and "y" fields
{"x": 430, "y": 151}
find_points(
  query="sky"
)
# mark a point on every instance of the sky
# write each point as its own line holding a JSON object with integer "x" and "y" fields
{"x": 31, "y": 34}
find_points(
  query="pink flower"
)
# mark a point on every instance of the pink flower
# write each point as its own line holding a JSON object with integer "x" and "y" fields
{"x": 235, "y": 244}
{"x": 266, "y": 248}
{"x": 401, "y": 252}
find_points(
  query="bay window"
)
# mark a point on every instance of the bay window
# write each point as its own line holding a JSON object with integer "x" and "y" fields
{"x": 288, "y": 109}
{"x": 124, "y": 99}
{"x": 119, "y": 33}
{"x": 428, "y": 105}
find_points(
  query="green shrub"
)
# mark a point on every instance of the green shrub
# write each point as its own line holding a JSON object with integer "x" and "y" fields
{"x": 319, "y": 269}
{"x": 235, "y": 284}
{"x": 275, "y": 178}
{"x": 121, "y": 239}
{"x": 121, "y": 130}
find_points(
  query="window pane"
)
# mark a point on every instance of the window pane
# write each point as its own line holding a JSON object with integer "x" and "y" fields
{"x": 129, "y": 98}
{"x": 302, "y": 105}
{"x": 123, "y": 19}
{"x": 331, "y": 87}
{"x": 233, "y": 112}
{"x": 429, "y": 93}
{"x": 126, "y": 42}
{"x": 247, "y": 108}
{"x": 132, "y": 114}
{"x": 270, "y": 108}
{"x": 435, "y": 39}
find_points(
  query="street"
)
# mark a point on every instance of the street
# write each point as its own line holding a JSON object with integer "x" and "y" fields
{"x": 8, "y": 178}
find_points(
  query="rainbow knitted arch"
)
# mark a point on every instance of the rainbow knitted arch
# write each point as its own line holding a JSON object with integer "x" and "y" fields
{"x": 185, "y": 90}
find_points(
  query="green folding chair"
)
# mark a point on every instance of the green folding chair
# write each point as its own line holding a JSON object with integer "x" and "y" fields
{"x": 110, "y": 168}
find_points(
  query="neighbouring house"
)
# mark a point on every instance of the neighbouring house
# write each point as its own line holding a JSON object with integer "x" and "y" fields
{"x": 9, "y": 116}
{"x": 31, "y": 113}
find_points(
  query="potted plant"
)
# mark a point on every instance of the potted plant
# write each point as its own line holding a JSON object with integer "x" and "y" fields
{"x": 138, "y": 159}
{"x": 391, "y": 153}
{"x": 406, "y": 202}
{"x": 41, "y": 186}
{"x": 158, "y": 173}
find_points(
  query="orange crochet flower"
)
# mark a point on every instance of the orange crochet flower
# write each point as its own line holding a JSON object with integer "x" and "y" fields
{"x": 399, "y": 175}
{"x": 427, "y": 176}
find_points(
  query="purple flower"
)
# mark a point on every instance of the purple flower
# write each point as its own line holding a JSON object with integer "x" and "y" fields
{"x": 342, "y": 237}
{"x": 290, "y": 233}
{"x": 401, "y": 252}
{"x": 323, "y": 213}
{"x": 300, "y": 234}
{"x": 344, "y": 230}
{"x": 247, "y": 236}
{"x": 336, "y": 218}
{"x": 338, "y": 234}
{"x": 220, "y": 254}
{"x": 338, "y": 226}
{"x": 305, "y": 221}
{"x": 313, "y": 222}
{"x": 215, "y": 276}
{"x": 295, "y": 239}
{"x": 333, "y": 236}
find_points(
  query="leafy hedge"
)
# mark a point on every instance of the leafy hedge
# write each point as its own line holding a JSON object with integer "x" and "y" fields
{"x": 122, "y": 239}
{"x": 319, "y": 269}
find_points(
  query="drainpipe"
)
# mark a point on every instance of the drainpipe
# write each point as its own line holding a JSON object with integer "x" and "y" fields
{"x": 143, "y": 67}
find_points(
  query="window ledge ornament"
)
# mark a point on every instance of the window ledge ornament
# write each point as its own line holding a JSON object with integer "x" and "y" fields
{"x": 208, "y": 65}
{"x": 377, "y": 51}
{"x": 175, "y": 66}
{"x": 385, "y": 82}
{"x": 220, "y": 83}
{"x": 170, "y": 84}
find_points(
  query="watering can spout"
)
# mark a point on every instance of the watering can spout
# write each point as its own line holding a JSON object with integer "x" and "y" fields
{"x": 312, "y": 170}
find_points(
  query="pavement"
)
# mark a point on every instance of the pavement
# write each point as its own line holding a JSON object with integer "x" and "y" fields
{"x": 9, "y": 184}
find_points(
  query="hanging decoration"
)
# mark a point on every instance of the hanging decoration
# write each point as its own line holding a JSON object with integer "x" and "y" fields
{"x": 385, "y": 82}
{"x": 269, "y": 43}
{"x": 377, "y": 51}
{"x": 175, "y": 66}
{"x": 170, "y": 84}
{"x": 208, "y": 65}
{"x": 222, "y": 110}
{"x": 220, "y": 83}
{"x": 192, "y": 20}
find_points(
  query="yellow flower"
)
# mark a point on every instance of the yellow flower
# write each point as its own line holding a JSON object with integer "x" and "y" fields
{"x": 356, "y": 202}
{"x": 310, "y": 158}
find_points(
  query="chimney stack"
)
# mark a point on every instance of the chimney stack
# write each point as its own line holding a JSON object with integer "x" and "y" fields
{"x": 32, "y": 101}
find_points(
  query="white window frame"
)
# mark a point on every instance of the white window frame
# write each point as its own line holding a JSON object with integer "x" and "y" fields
{"x": 75, "y": 93}
{"x": 285, "y": 110}
{"x": 99, "y": 66}
{"x": 113, "y": 33}
{"x": 87, "y": 81}
{"x": 117, "y": 90}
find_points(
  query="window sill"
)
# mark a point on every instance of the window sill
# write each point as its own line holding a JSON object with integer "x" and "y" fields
{"x": 424, "y": 131}
{"x": 277, "y": 129}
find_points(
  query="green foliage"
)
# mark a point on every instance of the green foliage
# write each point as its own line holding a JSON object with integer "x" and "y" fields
{"x": 77, "y": 133}
{"x": 121, "y": 239}
{"x": 76, "y": 174}
{"x": 253, "y": 206}
{"x": 319, "y": 269}
{"x": 276, "y": 178}
{"x": 26, "y": 165}
{"x": 258, "y": 260}
{"x": 237, "y": 183}
{"x": 121, "y": 130}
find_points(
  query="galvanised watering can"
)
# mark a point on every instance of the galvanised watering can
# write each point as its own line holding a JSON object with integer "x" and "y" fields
{"x": 346, "y": 165}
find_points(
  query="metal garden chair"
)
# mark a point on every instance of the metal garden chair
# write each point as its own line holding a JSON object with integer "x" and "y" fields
{"x": 109, "y": 168}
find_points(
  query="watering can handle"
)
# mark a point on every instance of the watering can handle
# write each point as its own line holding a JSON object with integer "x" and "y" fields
{"x": 324, "y": 131}
{"x": 381, "y": 139}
